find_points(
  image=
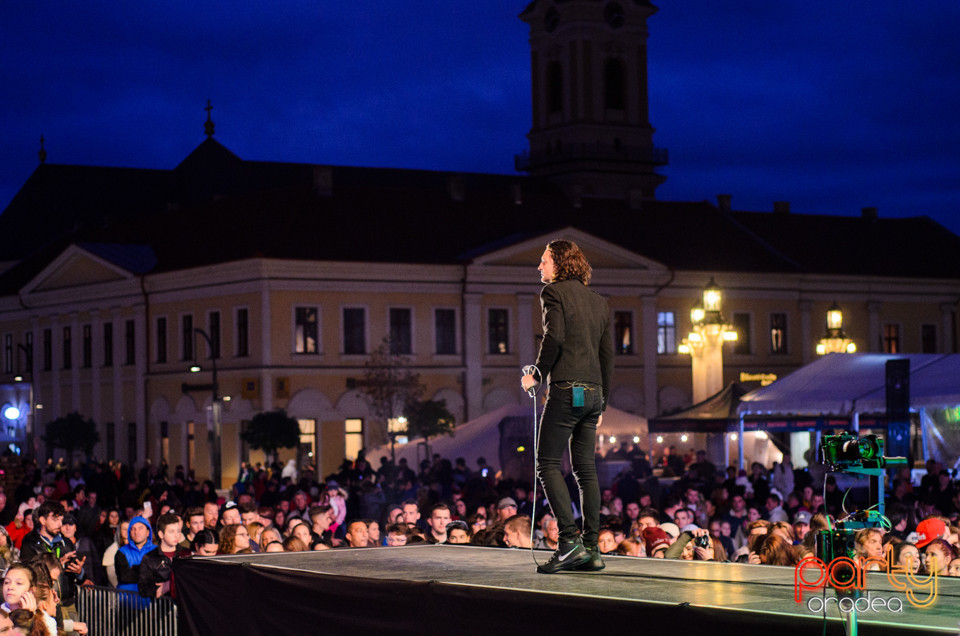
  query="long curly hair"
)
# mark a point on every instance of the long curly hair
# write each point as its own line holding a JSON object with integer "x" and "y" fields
{"x": 569, "y": 262}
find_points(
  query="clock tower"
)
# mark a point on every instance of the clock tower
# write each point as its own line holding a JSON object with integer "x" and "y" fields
{"x": 591, "y": 131}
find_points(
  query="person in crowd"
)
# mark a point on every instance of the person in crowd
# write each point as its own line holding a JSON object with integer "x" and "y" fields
{"x": 155, "y": 578}
{"x": 437, "y": 522}
{"x": 192, "y": 524}
{"x": 234, "y": 539}
{"x": 937, "y": 556}
{"x": 357, "y": 535}
{"x": 8, "y": 552}
{"x": 205, "y": 543}
{"x": 516, "y": 531}
{"x": 907, "y": 556}
{"x": 129, "y": 557}
{"x": 48, "y": 538}
{"x": 110, "y": 554}
{"x": 656, "y": 542}
{"x": 397, "y": 534}
{"x": 458, "y": 532}
{"x": 771, "y": 549}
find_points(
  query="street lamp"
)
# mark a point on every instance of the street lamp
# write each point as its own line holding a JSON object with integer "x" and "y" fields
{"x": 835, "y": 340}
{"x": 705, "y": 343}
{"x": 213, "y": 424}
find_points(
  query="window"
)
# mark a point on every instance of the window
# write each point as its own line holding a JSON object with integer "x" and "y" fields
{"x": 243, "y": 333}
{"x": 130, "y": 337}
{"x": 161, "y": 339}
{"x": 778, "y": 334}
{"x": 28, "y": 342}
{"x": 498, "y": 330}
{"x": 666, "y": 332}
{"x": 213, "y": 330}
{"x": 401, "y": 327}
{"x": 306, "y": 453}
{"x": 111, "y": 440}
{"x": 87, "y": 346}
{"x": 353, "y": 437}
{"x": 623, "y": 328}
{"x": 445, "y": 328}
{"x": 47, "y": 349}
{"x": 613, "y": 84}
{"x": 741, "y": 324}
{"x": 8, "y": 353}
{"x": 891, "y": 338}
{"x": 305, "y": 329}
{"x": 108, "y": 348}
{"x": 928, "y": 338}
{"x": 554, "y": 88}
{"x": 354, "y": 330}
{"x": 67, "y": 348}
{"x": 186, "y": 337}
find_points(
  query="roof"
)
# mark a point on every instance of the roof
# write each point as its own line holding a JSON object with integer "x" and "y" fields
{"x": 215, "y": 207}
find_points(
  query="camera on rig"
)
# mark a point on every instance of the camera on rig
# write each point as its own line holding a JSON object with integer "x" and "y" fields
{"x": 844, "y": 452}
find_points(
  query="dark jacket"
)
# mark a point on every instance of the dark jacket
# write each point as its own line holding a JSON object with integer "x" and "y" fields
{"x": 577, "y": 345}
{"x": 156, "y": 567}
{"x": 34, "y": 544}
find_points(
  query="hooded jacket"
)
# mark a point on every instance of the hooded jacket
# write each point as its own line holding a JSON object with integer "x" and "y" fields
{"x": 129, "y": 557}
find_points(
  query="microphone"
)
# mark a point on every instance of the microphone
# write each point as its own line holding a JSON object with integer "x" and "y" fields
{"x": 531, "y": 369}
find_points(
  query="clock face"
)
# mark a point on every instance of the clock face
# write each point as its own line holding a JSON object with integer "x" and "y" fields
{"x": 613, "y": 14}
{"x": 551, "y": 20}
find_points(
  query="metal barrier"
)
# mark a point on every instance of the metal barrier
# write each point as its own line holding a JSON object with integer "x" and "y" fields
{"x": 108, "y": 611}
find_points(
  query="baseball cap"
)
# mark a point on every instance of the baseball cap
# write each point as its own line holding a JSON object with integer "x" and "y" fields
{"x": 802, "y": 516}
{"x": 929, "y": 530}
{"x": 506, "y": 502}
{"x": 671, "y": 529}
{"x": 69, "y": 520}
{"x": 653, "y": 538}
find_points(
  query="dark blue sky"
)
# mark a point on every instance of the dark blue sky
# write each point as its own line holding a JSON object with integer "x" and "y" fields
{"x": 832, "y": 106}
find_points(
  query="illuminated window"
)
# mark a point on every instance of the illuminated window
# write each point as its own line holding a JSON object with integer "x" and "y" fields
{"x": 666, "y": 332}
{"x": 352, "y": 437}
{"x": 498, "y": 329}
{"x": 306, "y": 454}
{"x": 306, "y": 331}
{"x": 778, "y": 333}
{"x": 623, "y": 332}
{"x": 891, "y": 338}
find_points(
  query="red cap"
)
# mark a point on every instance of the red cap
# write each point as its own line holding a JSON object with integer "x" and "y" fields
{"x": 929, "y": 530}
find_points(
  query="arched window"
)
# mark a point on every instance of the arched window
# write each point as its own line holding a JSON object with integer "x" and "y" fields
{"x": 554, "y": 88}
{"x": 613, "y": 81}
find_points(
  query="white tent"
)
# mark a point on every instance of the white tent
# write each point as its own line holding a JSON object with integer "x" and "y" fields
{"x": 844, "y": 384}
{"x": 497, "y": 436}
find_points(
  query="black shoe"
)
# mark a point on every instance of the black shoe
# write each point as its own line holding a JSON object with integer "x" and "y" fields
{"x": 595, "y": 564}
{"x": 567, "y": 557}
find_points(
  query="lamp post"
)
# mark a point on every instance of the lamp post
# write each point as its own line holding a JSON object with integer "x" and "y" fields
{"x": 835, "y": 340}
{"x": 705, "y": 343}
{"x": 213, "y": 424}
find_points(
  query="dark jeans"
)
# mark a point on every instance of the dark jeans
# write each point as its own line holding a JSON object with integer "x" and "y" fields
{"x": 562, "y": 424}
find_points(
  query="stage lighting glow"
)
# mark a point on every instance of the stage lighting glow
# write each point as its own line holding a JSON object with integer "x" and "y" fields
{"x": 11, "y": 413}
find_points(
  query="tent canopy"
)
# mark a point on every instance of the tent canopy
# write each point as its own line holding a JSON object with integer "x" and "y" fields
{"x": 842, "y": 384}
{"x": 714, "y": 414}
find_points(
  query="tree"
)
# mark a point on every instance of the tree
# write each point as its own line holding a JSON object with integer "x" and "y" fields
{"x": 429, "y": 418}
{"x": 388, "y": 386}
{"x": 71, "y": 432}
{"x": 270, "y": 431}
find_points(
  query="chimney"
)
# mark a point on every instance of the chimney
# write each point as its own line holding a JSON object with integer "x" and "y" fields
{"x": 781, "y": 207}
{"x": 323, "y": 180}
{"x": 456, "y": 187}
{"x": 868, "y": 214}
{"x": 724, "y": 201}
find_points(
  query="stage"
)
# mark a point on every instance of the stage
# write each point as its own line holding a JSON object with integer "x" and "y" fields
{"x": 478, "y": 590}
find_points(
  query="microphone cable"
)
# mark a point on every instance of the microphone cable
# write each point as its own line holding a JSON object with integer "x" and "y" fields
{"x": 532, "y": 369}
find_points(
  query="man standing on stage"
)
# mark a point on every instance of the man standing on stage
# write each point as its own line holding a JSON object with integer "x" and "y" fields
{"x": 576, "y": 361}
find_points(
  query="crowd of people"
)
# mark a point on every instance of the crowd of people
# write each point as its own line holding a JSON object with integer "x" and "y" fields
{"x": 103, "y": 524}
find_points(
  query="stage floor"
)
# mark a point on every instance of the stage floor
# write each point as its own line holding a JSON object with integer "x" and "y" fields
{"x": 725, "y": 594}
